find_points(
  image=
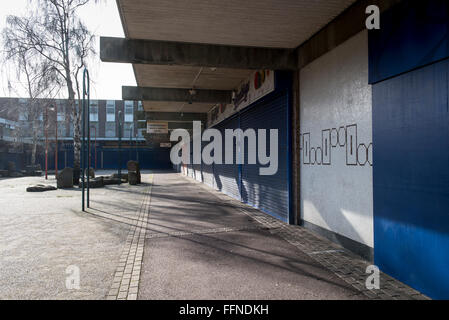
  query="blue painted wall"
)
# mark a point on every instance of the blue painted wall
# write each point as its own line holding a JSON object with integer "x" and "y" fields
{"x": 149, "y": 158}
{"x": 410, "y": 69}
{"x": 413, "y": 34}
{"x": 411, "y": 178}
{"x": 409, "y": 65}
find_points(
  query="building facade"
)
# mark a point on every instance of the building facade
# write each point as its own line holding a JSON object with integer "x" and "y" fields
{"x": 51, "y": 121}
{"x": 362, "y": 115}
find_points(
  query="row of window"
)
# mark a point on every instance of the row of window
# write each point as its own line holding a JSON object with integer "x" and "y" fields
{"x": 110, "y": 111}
{"x": 110, "y": 130}
{"x": 93, "y": 114}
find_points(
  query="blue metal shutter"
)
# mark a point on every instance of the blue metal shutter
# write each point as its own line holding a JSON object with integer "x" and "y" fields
{"x": 269, "y": 193}
{"x": 226, "y": 176}
{"x": 207, "y": 171}
{"x": 196, "y": 167}
{"x": 190, "y": 171}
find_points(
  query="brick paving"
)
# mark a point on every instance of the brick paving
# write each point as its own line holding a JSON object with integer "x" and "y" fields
{"x": 125, "y": 284}
{"x": 346, "y": 265}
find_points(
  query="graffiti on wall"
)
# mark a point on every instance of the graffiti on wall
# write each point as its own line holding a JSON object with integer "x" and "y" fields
{"x": 344, "y": 137}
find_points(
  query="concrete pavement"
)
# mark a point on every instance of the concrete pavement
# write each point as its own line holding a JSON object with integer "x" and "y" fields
{"x": 169, "y": 238}
{"x": 43, "y": 234}
{"x": 201, "y": 247}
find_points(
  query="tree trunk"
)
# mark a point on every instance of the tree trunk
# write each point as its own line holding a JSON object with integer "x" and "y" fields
{"x": 34, "y": 147}
{"x": 76, "y": 128}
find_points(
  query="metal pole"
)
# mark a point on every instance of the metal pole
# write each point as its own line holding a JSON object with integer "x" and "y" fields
{"x": 83, "y": 148}
{"x": 87, "y": 78}
{"x": 56, "y": 147}
{"x": 46, "y": 142}
{"x": 95, "y": 148}
{"x": 119, "y": 146}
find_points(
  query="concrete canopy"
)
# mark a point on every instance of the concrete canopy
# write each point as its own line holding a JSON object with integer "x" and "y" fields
{"x": 176, "y": 95}
{"x": 250, "y": 23}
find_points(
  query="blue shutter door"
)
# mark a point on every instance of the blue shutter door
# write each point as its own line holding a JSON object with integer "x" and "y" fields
{"x": 207, "y": 170}
{"x": 227, "y": 175}
{"x": 269, "y": 193}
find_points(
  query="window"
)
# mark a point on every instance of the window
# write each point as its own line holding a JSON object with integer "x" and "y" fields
{"x": 61, "y": 130}
{"x": 128, "y": 130}
{"x": 140, "y": 106}
{"x": 71, "y": 130}
{"x": 23, "y": 109}
{"x": 94, "y": 127}
{"x": 61, "y": 113}
{"x": 110, "y": 129}
{"x": 110, "y": 111}
{"x": 129, "y": 111}
{"x": 93, "y": 115}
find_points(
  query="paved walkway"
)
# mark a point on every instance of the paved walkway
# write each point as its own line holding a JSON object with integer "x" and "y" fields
{"x": 169, "y": 238}
{"x": 44, "y": 235}
{"x": 201, "y": 244}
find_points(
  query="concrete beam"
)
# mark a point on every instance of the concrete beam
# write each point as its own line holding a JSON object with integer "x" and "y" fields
{"x": 177, "y": 116}
{"x": 175, "y": 94}
{"x": 195, "y": 54}
{"x": 346, "y": 25}
{"x": 181, "y": 125}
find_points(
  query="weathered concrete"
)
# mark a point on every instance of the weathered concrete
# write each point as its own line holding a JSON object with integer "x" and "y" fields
{"x": 195, "y": 54}
{"x": 200, "y": 247}
{"x": 41, "y": 234}
{"x": 343, "y": 27}
{"x": 175, "y": 94}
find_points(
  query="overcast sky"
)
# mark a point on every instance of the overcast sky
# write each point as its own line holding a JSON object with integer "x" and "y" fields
{"x": 103, "y": 20}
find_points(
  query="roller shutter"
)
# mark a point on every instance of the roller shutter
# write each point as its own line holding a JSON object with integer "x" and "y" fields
{"x": 207, "y": 171}
{"x": 226, "y": 176}
{"x": 270, "y": 193}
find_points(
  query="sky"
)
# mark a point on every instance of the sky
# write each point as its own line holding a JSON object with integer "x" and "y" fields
{"x": 102, "y": 19}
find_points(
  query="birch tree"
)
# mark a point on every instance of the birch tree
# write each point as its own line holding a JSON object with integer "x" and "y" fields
{"x": 55, "y": 32}
{"x": 36, "y": 77}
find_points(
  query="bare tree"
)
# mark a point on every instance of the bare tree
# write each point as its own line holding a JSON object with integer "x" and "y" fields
{"x": 55, "y": 32}
{"x": 37, "y": 78}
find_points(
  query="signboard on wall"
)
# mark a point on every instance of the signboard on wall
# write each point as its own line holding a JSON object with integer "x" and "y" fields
{"x": 157, "y": 127}
{"x": 257, "y": 85}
